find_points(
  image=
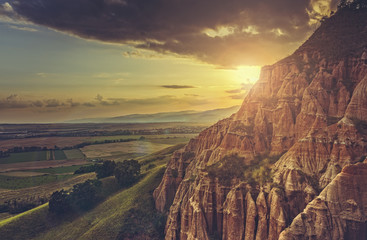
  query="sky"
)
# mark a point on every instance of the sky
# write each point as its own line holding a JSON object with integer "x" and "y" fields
{"x": 70, "y": 59}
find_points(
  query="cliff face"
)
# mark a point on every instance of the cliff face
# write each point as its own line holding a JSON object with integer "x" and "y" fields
{"x": 339, "y": 212}
{"x": 310, "y": 109}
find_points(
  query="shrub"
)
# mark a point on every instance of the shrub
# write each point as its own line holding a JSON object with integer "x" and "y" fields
{"x": 127, "y": 172}
{"x": 105, "y": 169}
{"x": 59, "y": 202}
{"x": 85, "y": 169}
{"x": 82, "y": 196}
{"x": 231, "y": 166}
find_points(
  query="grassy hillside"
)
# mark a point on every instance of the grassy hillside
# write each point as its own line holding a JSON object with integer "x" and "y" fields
{"x": 125, "y": 213}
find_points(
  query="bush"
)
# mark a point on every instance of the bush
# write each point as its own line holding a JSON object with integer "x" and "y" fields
{"x": 59, "y": 202}
{"x": 105, "y": 169}
{"x": 82, "y": 196}
{"x": 231, "y": 166}
{"x": 127, "y": 172}
{"x": 85, "y": 169}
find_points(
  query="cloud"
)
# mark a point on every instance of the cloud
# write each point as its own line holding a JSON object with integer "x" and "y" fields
{"x": 22, "y": 28}
{"x": 51, "y": 103}
{"x": 240, "y": 93}
{"x": 14, "y": 101}
{"x": 234, "y": 90}
{"x": 225, "y": 33}
{"x": 160, "y": 100}
{"x": 238, "y": 96}
{"x": 88, "y": 104}
{"x": 192, "y": 95}
{"x": 177, "y": 86}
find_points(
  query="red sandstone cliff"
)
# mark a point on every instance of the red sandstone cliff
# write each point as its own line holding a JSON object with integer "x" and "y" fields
{"x": 310, "y": 109}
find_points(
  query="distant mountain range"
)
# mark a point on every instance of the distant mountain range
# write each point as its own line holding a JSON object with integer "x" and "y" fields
{"x": 209, "y": 116}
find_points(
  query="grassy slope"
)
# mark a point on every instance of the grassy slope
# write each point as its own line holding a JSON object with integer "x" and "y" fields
{"x": 25, "y": 225}
{"x": 103, "y": 222}
{"x": 106, "y": 220}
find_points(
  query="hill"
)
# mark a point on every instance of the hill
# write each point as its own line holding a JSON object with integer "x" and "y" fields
{"x": 125, "y": 213}
{"x": 209, "y": 116}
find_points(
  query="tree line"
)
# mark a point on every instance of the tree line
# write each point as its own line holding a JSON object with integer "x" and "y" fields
{"x": 84, "y": 196}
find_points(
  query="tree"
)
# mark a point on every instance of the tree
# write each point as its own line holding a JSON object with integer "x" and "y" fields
{"x": 59, "y": 202}
{"x": 84, "y": 195}
{"x": 127, "y": 172}
{"x": 105, "y": 169}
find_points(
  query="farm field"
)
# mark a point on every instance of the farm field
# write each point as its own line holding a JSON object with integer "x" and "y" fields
{"x": 21, "y": 166}
{"x": 46, "y": 155}
{"x": 34, "y": 156}
{"x": 7, "y": 194}
{"x": 49, "y": 142}
{"x": 17, "y": 182}
{"x": 21, "y": 174}
{"x": 62, "y": 142}
{"x": 58, "y": 170}
{"x": 133, "y": 149}
{"x": 73, "y": 154}
{"x": 31, "y": 177}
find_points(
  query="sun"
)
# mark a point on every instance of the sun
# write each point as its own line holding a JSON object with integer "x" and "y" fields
{"x": 247, "y": 74}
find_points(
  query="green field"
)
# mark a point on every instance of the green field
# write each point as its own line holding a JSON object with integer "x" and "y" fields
{"x": 9, "y": 182}
{"x": 42, "y": 156}
{"x": 122, "y": 150}
{"x": 74, "y": 154}
{"x": 59, "y": 170}
{"x": 34, "y": 156}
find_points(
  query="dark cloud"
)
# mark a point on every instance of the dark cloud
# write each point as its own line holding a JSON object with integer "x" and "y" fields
{"x": 51, "y": 103}
{"x": 177, "y": 86}
{"x": 226, "y": 33}
{"x": 14, "y": 101}
{"x": 37, "y": 104}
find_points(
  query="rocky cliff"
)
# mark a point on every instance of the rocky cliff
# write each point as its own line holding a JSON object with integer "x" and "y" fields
{"x": 261, "y": 171}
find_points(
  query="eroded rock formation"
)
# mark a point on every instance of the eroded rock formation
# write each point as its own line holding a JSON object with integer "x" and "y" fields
{"x": 310, "y": 109}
